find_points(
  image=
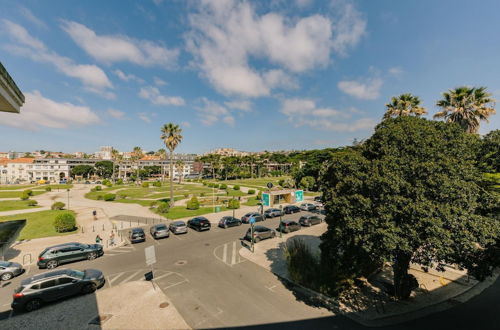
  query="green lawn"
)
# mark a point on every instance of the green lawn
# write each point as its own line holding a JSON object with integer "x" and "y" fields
{"x": 252, "y": 201}
{"x": 54, "y": 186}
{"x": 17, "y": 194}
{"x": 178, "y": 212}
{"x": 15, "y": 205}
{"x": 16, "y": 186}
{"x": 38, "y": 224}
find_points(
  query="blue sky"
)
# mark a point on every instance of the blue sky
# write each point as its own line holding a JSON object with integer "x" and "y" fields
{"x": 268, "y": 75}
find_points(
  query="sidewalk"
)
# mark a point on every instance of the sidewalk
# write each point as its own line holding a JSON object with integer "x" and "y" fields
{"x": 370, "y": 306}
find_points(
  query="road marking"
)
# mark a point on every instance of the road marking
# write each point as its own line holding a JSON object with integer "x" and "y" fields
{"x": 131, "y": 276}
{"x": 162, "y": 276}
{"x": 114, "y": 278}
{"x": 224, "y": 254}
{"x": 175, "y": 284}
{"x": 233, "y": 258}
{"x": 177, "y": 236}
{"x": 230, "y": 248}
{"x": 271, "y": 288}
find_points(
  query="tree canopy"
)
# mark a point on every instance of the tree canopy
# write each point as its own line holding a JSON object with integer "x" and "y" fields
{"x": 410, "y": 193}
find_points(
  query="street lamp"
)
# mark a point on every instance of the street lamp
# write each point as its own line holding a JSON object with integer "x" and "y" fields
{"x": 68, "y": 197}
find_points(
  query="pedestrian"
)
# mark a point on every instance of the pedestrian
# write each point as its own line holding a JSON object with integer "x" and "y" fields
{"x": 98, "y": 239}
{"x": 94, "y": 213}
{"x": 112, "y": 238}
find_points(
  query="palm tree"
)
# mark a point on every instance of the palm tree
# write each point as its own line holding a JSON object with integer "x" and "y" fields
{"x": 466, "y": 106}
{"x": 171, "y": 136}
{"x": 179, "y": 166}
{"x": 404, "y": 105}
{"x": 114, "y": 157}
{"x": 136, "y": 155}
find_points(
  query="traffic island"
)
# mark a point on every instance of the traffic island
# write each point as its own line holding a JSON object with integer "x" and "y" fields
{"x": 370, "y": 303}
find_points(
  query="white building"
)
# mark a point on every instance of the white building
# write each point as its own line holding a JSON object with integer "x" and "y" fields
{"x": 104, "y": 153}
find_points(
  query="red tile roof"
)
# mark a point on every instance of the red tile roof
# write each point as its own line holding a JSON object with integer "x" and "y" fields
{"x": 21, "y": 160}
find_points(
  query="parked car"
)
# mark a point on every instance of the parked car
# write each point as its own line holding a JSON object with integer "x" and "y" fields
{"x": 87, "y": 182}
{"x": 307, "y": 207}
{"x": 159, "y": 231}
{"x": 55, "y": 285}
{"x": 318, "y": 199}
{"x": 136, "y": 235}
{"x": 199, "y": 223}
{"x": 229, "y": 221}
{"x": 289, "y": 209}
{"x": 178, "y": 227}
{"x": 309, "y": 220}
{"x": 287, "y": 226}
{"x": 259, "y": 233}
{"x": 271, "y": 213}
{"x": 10, "y": 269}
{"x": 55, "y": 255}
{"x": 256, "y": 215}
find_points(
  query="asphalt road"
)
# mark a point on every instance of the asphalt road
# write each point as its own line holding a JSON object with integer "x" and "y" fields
{"x": 213, "y": 287}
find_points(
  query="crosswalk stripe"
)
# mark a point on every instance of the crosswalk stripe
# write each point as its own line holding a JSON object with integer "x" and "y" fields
{"x": 164, "y": 275}
{"x": 131, "y": 276}
{"x": 233, "y": 257}
{"x": 114, "y": 278}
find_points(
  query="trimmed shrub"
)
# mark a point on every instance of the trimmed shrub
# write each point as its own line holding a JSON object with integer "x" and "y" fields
{"x": 97, "y": 188}
{"x": 32, "y": 203}
{"x": 162, "y": 207}
{"x": 251, "y": 191}
{"x": 281, "y": 182}
{"x": 119, "y": 181}
{"x": 157, "y": 184}
{"x": 216, "y": 185}
{"x": 210, "y": 185}
{"x": 186, "y": 195}
{"x": 29, "y": 192}
{"x": 48, "y": 189}
{"x": 121, "y": 196}
{"x": 99, "y": 197}
{"x": 145, "y": 185}
{"x": 223, "y": 186}
{"x": 65, "y": 222}
{"x": 204, "y": 183}
{"x": 24, "y": 196}
{"x": 109, "y": 197}
{"x": 107, "y": 183}
{"x": 202, "y": 194}
{"x": 233, "y": 204}
{"x": 153, "y": 204}
{"x": 193, "y": 203}
{"x": 236, "y": 187}
{"x": 57, "y": 206}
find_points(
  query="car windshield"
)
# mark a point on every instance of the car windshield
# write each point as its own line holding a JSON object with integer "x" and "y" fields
{"x": 77, "y": 274}
{"x": 161, "y": 227}
{"x": 179, "y": 224}
{"x": 4, "y": 264}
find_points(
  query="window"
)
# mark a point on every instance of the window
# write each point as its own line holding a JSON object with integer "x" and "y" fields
{"x": 47, "y": 284}
{"x": 70, "y": 249}
{"x": 65, "y": 280}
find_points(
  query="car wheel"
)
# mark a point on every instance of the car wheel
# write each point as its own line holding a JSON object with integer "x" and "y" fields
{"x": 32, "y": 305}
{"x": 309, "y": 225}
{"x": 256, "y": 239}
{"x": 7, "y": 276}
{"x": 239, "y": 223}
{"x": 52, "y": 264}
{"x": 273, "y": 235}
{"x": 91, "y": 256}
{"x": 225, "y": 226}
{"x": 88, "y": 288}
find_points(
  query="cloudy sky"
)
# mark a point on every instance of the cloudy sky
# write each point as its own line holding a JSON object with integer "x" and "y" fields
{"x": 253, "y": 75}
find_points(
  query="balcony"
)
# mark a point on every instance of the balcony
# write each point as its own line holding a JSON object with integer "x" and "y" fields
{"x": 11, "y": 98}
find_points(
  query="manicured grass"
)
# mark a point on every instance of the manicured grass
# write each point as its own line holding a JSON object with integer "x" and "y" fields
{"x": 38, "y": 224}
{"x": 17, "y": 194}
{"x": 178, "y": 212}
{"x": 16, "y": 186}
{"x": 311, "y": 193}
{"x": 54, "y": 186}
{"x": 15, "y": 205}
{"x": 252, "y": 201}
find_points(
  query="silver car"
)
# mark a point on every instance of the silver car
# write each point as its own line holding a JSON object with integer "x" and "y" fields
{"x": 9, "y": 269}
{"x": 307, "y": 207}
{"x": 159, "y": 231}
{"x": 178, "y": 227}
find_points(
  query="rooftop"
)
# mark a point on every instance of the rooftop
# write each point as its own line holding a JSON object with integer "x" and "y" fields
{"x": 11, "y": 97}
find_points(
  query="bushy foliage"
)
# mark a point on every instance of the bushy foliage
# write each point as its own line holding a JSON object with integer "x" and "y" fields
{"x": 58, "y": 206}
{"x": 119, "y": 181}
{"x": 157, "y": 184}
{"x": 121, "y": 196}
{"x": 24, "y": 196}
{"x": 107, "y": 183}
{"x": 97, "y": 188}
{"x": 162, "y": 207}
{"x": 215, "y": 185}
{"x": 193, "y": 203}
{"x": 307, "y": 183}
{"x": 233, "y": 204}
{"x": 109, "y": 197}
{"x": 202, "y": 194}
{"x": 223, "y": 186}
{"x": 236, "y": 187}
{"x": 303, "y": 265}
{"x": 153, "y": 204}
{"x": 251, "y": 191}
{"x": 28, "y": 192}
{"x": 259, "y": 195}
{"x": 145, "y": 185}
{"x": 65, "y": 222}
{"x": 48, "y": 189}
{"x": 186, "y": 195}
{"x": 99, "y": 197}
{"x": 32, "y": 203}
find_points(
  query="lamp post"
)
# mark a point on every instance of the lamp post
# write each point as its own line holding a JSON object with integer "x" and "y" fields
{"x": 68, "y": 197}
{"x": 281, "y": 215}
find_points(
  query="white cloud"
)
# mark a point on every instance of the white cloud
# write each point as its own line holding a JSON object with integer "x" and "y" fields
{"x": 32, "y": 18}
{"x": 153, "y": 95}
{"x": 117, "y": 114}
{"x": 127, "y": 77}
{"x": 39, "y": 111}
{"x": 226, "y": 36}
{"x": 303, "y": 3}
{"x": 119, "y": 48}
{"x": 212, "y": 112}
{"x": 349, "y": 26}
{"x": 245, "y": 106}
{"x": 304, "y": 112}
{"x": 367, "y": 90}
{"x": 186, "y": 124}
{"x": 93, "y": 78}
{"x": 145, "y": 117}
{"x": 159, "y": 82}
{"x": 396, "y": 71}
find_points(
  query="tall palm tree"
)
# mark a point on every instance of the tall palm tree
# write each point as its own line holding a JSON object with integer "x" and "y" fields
{"x": 466, "y": 106}
{"x": 137, "y": 154}
{"x": 171, "y": 136}
{"x": 404, "y": 105}
{"x": 114, "y": 157}
{"x": 179, "y": 166}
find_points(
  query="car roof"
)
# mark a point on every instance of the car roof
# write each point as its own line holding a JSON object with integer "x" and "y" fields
{"x": 39, "y": 277}
{"x": 288, "y": 221}
{"x": 64, "y": 244}
{"x": 179, "y": 222}
{"x": 137, "y": 229}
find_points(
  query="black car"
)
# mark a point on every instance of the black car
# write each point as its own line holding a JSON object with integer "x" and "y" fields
{"x": 136, "y": 235}
{"x": 55, "y": 285}
{"x": 287, "y": 226}
{"x": 255, "y": 215}
{"x": 199, "y": 223}
{"x": 229, "y": 221}
{"x": 271, "y": 213}
{"x": 259, "y": 233}
{"x": 289, "y": 209}
{"x": 55, "y": 255}
{"x": 318, "y": 199}
{"x": 309, "y": 220}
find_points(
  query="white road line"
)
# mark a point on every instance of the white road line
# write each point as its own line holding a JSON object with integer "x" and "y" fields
{"x": 233, "y": 256}
{"x": 162, "y": 276}
{"x": 177, "y": 236}
{"x": 224, "y": 253}
{"x": 131, "y": 276}
{"x": 114, "y": 278}
{"x": 271, "y": 288}
{"x": 172, "y": 285}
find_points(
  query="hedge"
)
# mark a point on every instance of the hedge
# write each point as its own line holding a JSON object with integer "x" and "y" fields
{"x": 57, "y": 206}
{"x": 48, "y": 189}
{"x": 193, "y": 204}
{"x": 157, "y": 184}
{"x": 162, "y": 207}
{"x": 109, "y": 197}
{"x": 25, "y": 196}
{"x": 236, "y": 187}
{"x": 32, "y": 203}
{"x": 65, "y": 222}
{"x": 97, "y": 188}
{"x": 251, "y": 191}
{"x": 145, "y": 185}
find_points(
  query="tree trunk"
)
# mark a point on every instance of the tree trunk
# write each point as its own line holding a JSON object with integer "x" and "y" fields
{"x": 171, "y": 178}
{"x": 402, "y": 280}
{"x": 113, "y": 174}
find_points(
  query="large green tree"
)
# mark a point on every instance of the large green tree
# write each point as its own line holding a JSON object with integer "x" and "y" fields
{"x": 410, "y": 193}
{"x": 171, "y": 136}
{"x": 104, "y": 168}
{"x": 83, "y": 170}
{"x": 466, "y": 106}
{"x": 489, "y": 152}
